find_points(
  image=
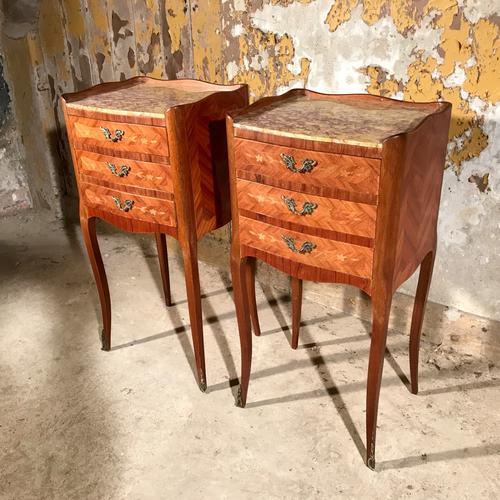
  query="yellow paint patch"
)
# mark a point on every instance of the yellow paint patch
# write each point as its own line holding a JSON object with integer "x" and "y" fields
{"x": 372, "y": 11}
{"x": 274, "y": 73}
{"x": 99, "y": 14}
{"x": 207, "y": 40}
{"x": 339, "y": 13}
{"x": 52, "y": 40}
{"x": 379, "y": 83}
{"x": 49, "y": 22}
{"x": 403, "y": 14}
{"x": 288, "y": 2}
{"x": 177, "y": 21}
{"x": 149, "y": 49}
{"x": 74, "y": 18}
{"x": 483, "y": 79}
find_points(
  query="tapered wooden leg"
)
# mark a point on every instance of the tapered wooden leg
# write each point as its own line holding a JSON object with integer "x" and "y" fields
{"x": 189, "y": 252}
{"x": 424, "y": 281}
{"x": 88, "y": 226}
{"x": 380, "y": 313}
{"x": 161, "y": 245}
{"x": 245, "y": 331}
{"x": 252, "y": 300}
{"x": 296, "y": 310}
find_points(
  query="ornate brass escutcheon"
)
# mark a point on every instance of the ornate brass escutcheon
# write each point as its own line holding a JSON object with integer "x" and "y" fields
{"x": 291, "y": 164}
{"x": 307, "y": 208}
{"x": 123, "y": 172}
{"x": 125, "y": 206}
{"x": 307, "y": 246}
{"x": 116, "y": 137}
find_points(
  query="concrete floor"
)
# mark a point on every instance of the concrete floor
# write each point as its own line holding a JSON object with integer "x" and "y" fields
{"x": 76, "y": 422}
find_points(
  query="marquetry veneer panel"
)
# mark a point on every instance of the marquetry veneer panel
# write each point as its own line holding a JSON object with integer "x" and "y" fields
{"x": 336, "y": 176}
{"x": 125, "y": 172}
{"x": 90, "y": 134}
{"x": 327, "y": 254}
{"x": 329, "y": 214}
{"x": 144, "y": 208}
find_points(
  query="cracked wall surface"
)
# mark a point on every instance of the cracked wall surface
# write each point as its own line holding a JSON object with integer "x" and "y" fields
{"x": 14, "y": 191}
{"x": 416, "y": 50}
{"x": 52, "y": 47}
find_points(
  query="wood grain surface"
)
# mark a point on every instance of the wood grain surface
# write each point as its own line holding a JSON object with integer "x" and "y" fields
{"x": 136, "y": 138}
{"x": 334, "y": 176}
{"x": 146, "y": 175}
{"x": 336, "y": 216}
{"x": 327, "y": 254}
{"x": 144, "y": 208}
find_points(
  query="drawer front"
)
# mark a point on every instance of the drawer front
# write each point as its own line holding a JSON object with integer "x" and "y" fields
{"x": 335, "y": 176}
{"x": 90, "y": 133}
{"x": 121, "y": 171}
{"x": 312, "y": 251}
{"x": 129, "y": 206}
{"x": 280, "y": 205}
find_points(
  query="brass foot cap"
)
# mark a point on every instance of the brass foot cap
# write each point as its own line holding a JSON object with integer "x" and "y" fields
{"x": 202, "y": 384}
{"x": 105, "y": 346}
{"x": 239, "y": 402}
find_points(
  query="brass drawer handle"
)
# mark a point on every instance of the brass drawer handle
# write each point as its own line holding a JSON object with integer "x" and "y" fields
{"x": 307, "y": 208}
{"x": 125, "y": 206}
{"x": 123, "y": 172}
{"x": 307, "y": 246}
{"x": 291, "y": 164}
{"x": 116, "y": 137}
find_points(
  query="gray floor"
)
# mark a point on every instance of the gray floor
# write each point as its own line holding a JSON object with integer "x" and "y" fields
{"x": 76, "y": 422}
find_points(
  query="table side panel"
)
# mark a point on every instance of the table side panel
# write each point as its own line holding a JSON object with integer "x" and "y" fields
{"x": 424, "y": 162}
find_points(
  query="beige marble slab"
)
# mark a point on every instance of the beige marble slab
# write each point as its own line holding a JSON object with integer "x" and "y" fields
{"x": 140, "y": 99}
{"x": 355, "y": 122}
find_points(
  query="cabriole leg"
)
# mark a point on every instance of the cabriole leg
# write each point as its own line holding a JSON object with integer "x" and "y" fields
{"x": 381, "y": 307}
{"x": 242, "y": 314}
{"x": 161, "y": 245}
{"x": 424, "y": 281}
{"x": 250, "y": 282}
{"x": 189, "y": 252}
{"x": 88, "y": 226}
{"x": 296, "y": 310}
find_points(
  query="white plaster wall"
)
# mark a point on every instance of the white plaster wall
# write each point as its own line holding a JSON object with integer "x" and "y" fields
{"x": 467, "y": 272}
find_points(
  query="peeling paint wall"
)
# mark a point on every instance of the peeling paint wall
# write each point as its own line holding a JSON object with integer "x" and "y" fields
{"x": 14, "y": 192}
{"x": 417, "y": 50}
{"x": 52, "y": 47}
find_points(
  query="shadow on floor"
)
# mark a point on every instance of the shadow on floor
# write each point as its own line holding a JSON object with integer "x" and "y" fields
{"x": 459, "y": 454}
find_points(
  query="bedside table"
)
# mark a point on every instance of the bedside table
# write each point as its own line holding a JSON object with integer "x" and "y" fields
{"x": 150, "y": 156}
{"x": 337, "y": 188}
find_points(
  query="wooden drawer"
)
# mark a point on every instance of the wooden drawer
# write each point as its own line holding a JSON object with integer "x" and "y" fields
{"x": 311, "y": 251}
{"x": 280, "y": 206}
{"x": 331, "y": 175}
{"x": 124, "y": 172}
{"x": 90, "y": 134}
{"x": 144, "y": 208}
